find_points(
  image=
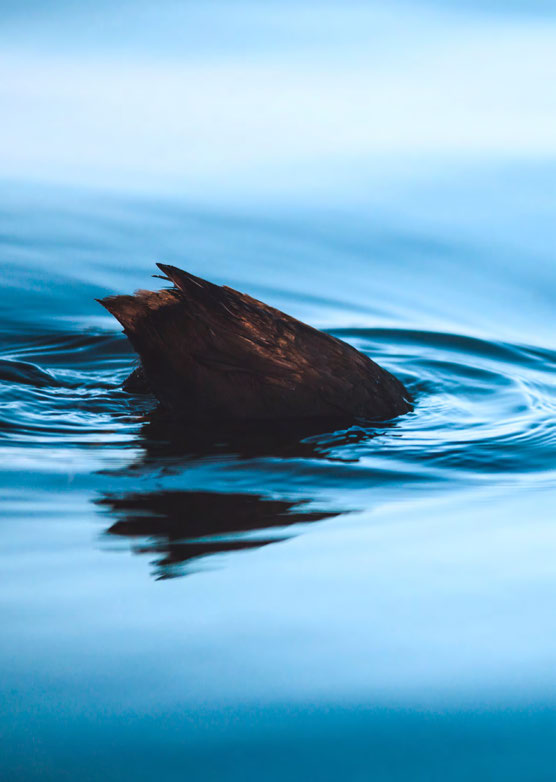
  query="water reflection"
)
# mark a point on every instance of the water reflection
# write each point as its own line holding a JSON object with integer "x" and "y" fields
{"x": 164, "y": 439}
{"x": 180, "y": 527}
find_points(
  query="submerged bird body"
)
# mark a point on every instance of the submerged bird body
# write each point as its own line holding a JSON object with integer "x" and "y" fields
{"x": 208, "y": 351}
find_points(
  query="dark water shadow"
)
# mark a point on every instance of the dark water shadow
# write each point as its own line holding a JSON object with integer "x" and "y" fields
{"x": 164, "y": 440}
{"x": 181, "y": 527}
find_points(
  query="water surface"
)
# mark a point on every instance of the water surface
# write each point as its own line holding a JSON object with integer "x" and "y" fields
{"x": 237, "y": 603}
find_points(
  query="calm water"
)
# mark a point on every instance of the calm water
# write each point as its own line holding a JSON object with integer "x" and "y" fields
{"x": 375, "y": 603}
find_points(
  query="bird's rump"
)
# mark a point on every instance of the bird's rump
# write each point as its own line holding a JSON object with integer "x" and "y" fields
{"x": 210, "y": 351}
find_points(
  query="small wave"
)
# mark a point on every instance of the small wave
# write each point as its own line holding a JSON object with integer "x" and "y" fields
{"x": 484, "y": 409}
{"x": 25, "y": 373}
{"x": 62, "y": 388}
{"x": 60, "y": 349}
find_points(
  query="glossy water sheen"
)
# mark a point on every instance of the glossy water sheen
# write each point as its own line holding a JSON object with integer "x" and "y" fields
{"x": 269, "y": 603}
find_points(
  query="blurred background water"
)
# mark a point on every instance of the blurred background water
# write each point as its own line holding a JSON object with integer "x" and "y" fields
{"x": 367, "y": 604}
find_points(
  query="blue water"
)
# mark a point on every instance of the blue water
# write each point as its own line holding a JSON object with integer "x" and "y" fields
{"x": 373, "y": 603}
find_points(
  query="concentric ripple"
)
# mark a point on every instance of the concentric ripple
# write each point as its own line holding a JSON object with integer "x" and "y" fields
{"x": 484, "y": 410}
{"x": 66, "y": 390}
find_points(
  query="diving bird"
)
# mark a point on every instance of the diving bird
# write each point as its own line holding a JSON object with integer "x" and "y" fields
{"x": 209, "y": 352}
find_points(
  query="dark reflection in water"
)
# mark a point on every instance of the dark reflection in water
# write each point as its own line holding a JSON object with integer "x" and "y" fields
{"x": 164, "y": 438}
{"x": 182, "y": 526}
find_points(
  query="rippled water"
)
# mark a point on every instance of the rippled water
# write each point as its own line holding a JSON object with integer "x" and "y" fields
{"x": 237, "y": 602}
